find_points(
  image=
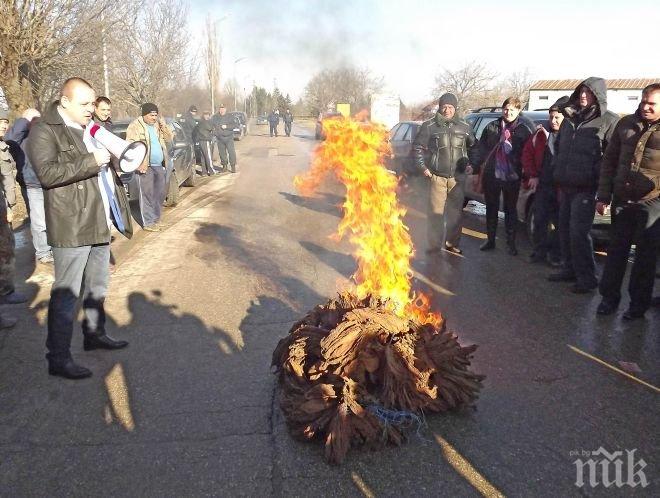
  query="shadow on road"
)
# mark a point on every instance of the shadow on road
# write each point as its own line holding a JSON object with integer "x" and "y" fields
{"x": 321, "y": 204}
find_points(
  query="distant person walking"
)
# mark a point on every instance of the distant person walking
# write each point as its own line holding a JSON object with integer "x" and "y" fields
{"x": 635, "y": 141}
{"x": 224, "y": 124}
{"x": 274, "y": 121}
{"x": 151, "y": 129}
{"x": 288, "y": 120}
{"x": 447, "y": 142}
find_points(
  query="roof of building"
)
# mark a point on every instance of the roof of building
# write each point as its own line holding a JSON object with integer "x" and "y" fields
{"x": 614, "y": 84}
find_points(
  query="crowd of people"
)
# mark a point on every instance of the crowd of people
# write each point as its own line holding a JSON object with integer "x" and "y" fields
{"x": 587, "y": 161}
{"x": 75, "y": 198}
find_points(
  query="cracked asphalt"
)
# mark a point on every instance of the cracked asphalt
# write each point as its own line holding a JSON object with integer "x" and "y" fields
{"x": 194, "y": 410}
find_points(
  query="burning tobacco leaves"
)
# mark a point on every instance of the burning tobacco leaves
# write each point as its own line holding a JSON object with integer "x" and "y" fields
{"x": 354, "y": 365}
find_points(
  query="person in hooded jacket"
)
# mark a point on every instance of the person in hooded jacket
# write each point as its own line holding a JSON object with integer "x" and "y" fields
{"x": 537, "y": 161}
{"x": 442, "y": 148}
{"x": 583, "y": 138}
{"x": 500, "y": 148}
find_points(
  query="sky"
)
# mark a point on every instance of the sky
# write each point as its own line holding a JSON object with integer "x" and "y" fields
{"x": 408, "y": 43}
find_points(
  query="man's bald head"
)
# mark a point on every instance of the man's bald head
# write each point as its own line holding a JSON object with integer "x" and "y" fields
{"x": 72, "y": 84}
{"x": 77, "y": 100}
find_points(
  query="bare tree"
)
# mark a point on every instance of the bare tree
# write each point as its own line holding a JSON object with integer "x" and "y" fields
{"x": 517, "y": 84}
{"x": 345, "y": 84}
{"x": 42, "y": 42}
{"x": 153, "y": 58}
{"x": 212, "y": 57}
{"x": 469, "y": 83}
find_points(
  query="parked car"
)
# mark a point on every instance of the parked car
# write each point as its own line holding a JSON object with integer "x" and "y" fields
{"x": 525, "y": 208}
{"x": 180, "y": 166}
{"x": 241, "y": 127}
{"x": 318, "y": 133}
{"x": 402, "y": 135}
{"x": 262, "y": 120}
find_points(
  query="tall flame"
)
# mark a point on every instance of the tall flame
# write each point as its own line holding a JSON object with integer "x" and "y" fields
{"x": 355, "y": 151}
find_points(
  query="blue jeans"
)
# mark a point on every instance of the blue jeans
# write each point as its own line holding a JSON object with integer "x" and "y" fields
{"x": 38, "y": 222}
{"x": 153, "y": 194}
{"x": 77, "y": 269}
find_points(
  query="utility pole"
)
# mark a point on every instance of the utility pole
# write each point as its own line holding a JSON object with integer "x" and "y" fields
{"x": 106, "y": 80}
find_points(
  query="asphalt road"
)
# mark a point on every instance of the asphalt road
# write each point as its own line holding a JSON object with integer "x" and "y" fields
{"x": 190, "y": 408}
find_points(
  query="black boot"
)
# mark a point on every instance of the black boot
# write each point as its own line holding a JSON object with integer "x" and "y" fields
{"x": 491, "y": 229}
{"x": 91, "y": 342}
{"x": 511, "y": 242}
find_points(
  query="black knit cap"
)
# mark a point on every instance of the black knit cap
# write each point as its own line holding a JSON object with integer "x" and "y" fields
{"x": 193, "y": 108}
{"x": 560, "y": 104}
{"x": 448, "y": 99}
{"x": 148, "y": 108}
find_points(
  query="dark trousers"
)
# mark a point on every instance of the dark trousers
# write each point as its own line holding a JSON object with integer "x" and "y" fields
{"x": 77, "y": 269}
{"x": 152, "y": 184}
{"x": 493, "y": 188}
{"x": 227, "y": 153}
{"x": 273, "y": 129}
{"x": 207, "y": 155}
{"x": 287, "y": 129}
{"x": 546, "y": 219}
{"x": 627, "y": 229}
{"x": 576, "y": 217}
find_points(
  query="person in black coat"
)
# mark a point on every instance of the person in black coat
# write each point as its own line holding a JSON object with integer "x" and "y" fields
{"x": 274, "y": 120}
{"x": 583, "y": 138}
{"x": 500, "y": 148}
{"x": 203, "y": 134}
{"x": 223, "y": 125}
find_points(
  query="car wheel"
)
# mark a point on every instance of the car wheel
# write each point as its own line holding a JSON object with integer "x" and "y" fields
{"x": 172, "y": 198}
{"x": 191, "y": 181}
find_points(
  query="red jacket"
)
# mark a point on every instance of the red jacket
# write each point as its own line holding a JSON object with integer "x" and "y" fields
{"x": 532, "y": 154}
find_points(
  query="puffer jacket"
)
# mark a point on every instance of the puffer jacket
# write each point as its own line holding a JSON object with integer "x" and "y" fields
{"x": 444, "y": 147}
{"x": 620, "y": 153}
{"x": 137, "y": 131}
{"x": 75, "y": 215}
{"x": 582, "y": 140}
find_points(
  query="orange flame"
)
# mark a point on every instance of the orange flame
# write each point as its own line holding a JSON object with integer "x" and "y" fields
{"x": 355, "y": 151}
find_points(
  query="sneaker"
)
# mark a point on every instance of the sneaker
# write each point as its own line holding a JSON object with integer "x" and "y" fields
{"x": 452, "y": 249}
{"x": 151, "y": 228}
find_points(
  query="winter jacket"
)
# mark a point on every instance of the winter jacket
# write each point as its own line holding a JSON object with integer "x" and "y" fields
{"x": 532, "y": 154}
{"x": 287, "y": 117}
{"x": 274, "y": 118}
{"x": 230, "y": 122}
{"x": 583, "y": 137}
{"x": 137, "y": 130}
{"x": 620, "y": 153}
{"x": 7, "y": 168}
{"x": 75, "y": 215}
{"x": 446, "y": 143}
{"x": 203, "y": 130}
{"x": 107, "y": 124}
{"x": 16, "y": 138}
{"x": 188, "y": 123}
{"x": 491, "y": 137}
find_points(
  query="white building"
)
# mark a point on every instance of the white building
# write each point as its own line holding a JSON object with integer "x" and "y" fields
{"x": 623, "y": 96}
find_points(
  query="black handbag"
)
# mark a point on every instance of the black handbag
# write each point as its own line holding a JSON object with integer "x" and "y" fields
{"x": 636, "y": 185}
